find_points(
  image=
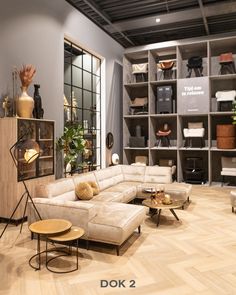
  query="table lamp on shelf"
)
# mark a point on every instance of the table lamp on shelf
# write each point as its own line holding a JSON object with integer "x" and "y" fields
{"x": 23, "y": 152}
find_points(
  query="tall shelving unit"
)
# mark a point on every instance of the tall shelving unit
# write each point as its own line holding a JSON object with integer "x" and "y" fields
{"x": 204, "y": 111}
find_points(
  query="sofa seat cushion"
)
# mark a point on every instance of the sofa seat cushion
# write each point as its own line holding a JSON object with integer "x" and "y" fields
{"x": 108, "y": 197}
{"x": 157, "y": 174}
{"x": 114, "y": 223}
{"x": 129, "y": 191}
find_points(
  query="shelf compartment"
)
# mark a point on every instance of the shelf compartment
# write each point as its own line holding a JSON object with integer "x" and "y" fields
{"x": 183, "y": 123}
{"x": 130, "y": 93}
{"x": 189, "y": 50}
{"x": 184, "y": 154}
{"x": 218, "y": 47}
{"x": 156, "y": 155}
{"x": 216, "y": 164}
{"x": 130, "y": 154}
{"x": 129, "y": 129}
{"x": 218, "y": 120}
{"x": 153, "y": 97}
{"x": 130, "y": 59}
{"x": 159, "y": 55}
{"x": 157, "y": 123}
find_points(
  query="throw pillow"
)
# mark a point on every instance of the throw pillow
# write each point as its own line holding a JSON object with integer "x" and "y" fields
{"x": 84, "y": 191}
{"x": 94, "y": 187}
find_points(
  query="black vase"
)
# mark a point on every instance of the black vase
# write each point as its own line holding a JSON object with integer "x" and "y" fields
{"x": 38, "y": 110}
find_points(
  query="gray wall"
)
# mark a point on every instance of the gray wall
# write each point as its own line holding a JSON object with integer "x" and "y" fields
{"x": 32, "y": 31}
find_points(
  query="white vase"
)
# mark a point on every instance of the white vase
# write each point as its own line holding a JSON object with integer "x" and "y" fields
{"x": 25, "y": 104}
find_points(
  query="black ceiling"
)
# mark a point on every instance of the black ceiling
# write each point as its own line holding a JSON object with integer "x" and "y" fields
{"x": 132, "y": 22}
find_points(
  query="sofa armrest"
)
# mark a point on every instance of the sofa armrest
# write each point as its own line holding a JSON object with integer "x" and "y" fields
{"x": 79, "y": 213}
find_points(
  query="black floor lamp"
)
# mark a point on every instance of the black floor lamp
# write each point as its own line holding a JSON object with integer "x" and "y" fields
{"x": 23, "y": 152}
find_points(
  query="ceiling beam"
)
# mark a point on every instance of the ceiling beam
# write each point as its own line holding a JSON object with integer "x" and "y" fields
{"x": 103, "y": 15}
{"x": 204, "y": 17}
{"x": 174, "y": 17}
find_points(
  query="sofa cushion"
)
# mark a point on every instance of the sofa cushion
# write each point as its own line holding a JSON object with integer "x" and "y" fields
{"x": 84, "y": 191}
{"x": 128, "y": 190}
{"x": 94, "y": 187}
{"x": 108, "y": 177}
{"x": 55, "y": 188}
{"x": 114, "y": 223}
{"x": 133, "y": 173}
{"x": 109, "y": 197}
{"x": 158, "y": 174}
{"x": 85, "y": 177}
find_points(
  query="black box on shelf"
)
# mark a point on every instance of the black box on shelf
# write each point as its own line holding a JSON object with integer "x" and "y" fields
{"x": 164, "y": 99}
{"x": 225, "y": 106}
{"x": 194, "y": 172}
{"x": 196, "y": 176}
{"x": 137, "y": 141}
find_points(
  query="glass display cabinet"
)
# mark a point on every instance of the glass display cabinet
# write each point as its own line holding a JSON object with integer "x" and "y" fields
{"x": 42, "y": 132}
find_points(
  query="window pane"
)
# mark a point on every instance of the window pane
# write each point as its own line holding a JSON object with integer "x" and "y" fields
{"x": 67, "y": 95}
{"x": 87, "y": 99}
{"x": 96, "y": 84}
{"x": 87, "y": 80}
{"x": 77, "y": 115}
{"x": 77, "y": 97}
{"x": 67, "y": 52}
{"x": 76, "y": 77}
{"x": 67, "y": 116}
{"x": 87, "y": 60}
{"x": 96, "y": 66}
{"x": 77, "y": 54}
{"x": 67, "y": 73}
{"x": 96, "y": 102}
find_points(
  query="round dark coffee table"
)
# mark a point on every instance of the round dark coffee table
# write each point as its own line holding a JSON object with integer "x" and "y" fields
{"x": 158, "y": 206}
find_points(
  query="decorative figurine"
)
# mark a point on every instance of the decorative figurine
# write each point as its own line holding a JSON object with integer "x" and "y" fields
{"x": 6, "y": 105}
{"x": 38, "y": 110}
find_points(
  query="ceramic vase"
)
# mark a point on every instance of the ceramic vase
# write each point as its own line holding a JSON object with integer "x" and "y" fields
{"x": 25, "y": 104}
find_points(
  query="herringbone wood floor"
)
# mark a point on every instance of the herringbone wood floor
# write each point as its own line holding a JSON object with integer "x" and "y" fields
{"x": 194, "y": 256}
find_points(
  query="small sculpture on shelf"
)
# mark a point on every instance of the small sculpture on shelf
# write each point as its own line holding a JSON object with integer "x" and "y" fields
{"x": 38, "y": 110}
{"x": 7, "y": 106}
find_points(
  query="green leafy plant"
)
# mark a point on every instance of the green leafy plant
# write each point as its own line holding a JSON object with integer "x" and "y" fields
{"x": 72, "y": 143}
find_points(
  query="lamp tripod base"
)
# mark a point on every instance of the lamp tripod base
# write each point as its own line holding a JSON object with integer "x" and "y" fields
{"x": 28, "y": 197}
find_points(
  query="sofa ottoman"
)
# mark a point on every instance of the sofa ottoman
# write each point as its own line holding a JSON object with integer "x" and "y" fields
{"x": 114, "y": 223}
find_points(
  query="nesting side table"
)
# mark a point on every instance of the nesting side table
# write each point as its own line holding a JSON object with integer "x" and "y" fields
{"x": 56, "y": 230}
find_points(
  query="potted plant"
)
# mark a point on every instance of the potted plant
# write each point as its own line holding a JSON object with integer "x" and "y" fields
{"x": 73, "y": 144}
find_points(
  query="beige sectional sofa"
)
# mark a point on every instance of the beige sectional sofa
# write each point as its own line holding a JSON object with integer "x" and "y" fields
{"x": 107, "y": 217}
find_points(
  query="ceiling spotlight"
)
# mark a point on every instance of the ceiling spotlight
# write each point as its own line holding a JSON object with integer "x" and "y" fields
{"x": 158, "y": 20}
